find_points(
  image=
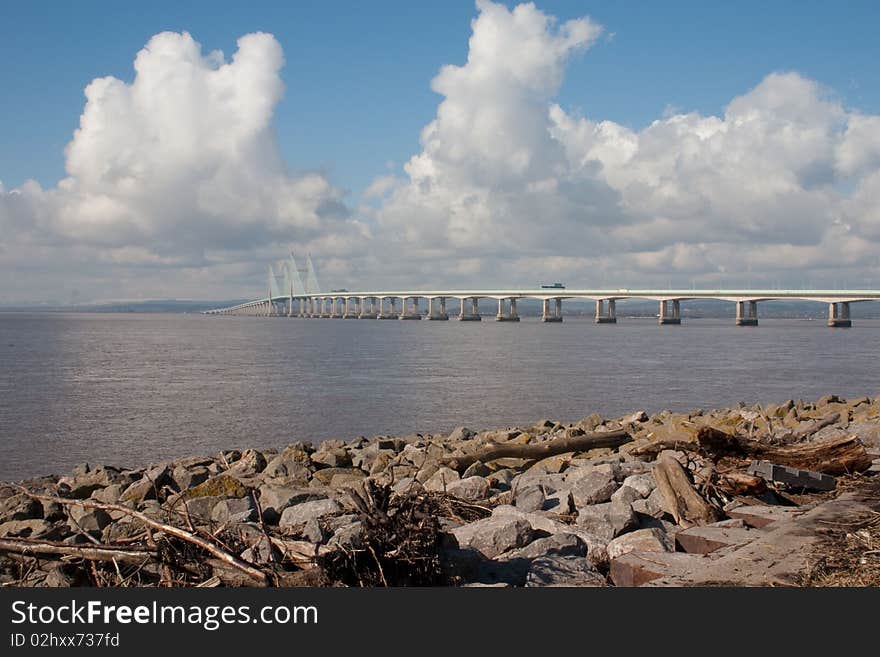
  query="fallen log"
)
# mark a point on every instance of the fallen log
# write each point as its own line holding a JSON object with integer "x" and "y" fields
{"x": 214, "y": 550}
{"x": 835, "y": 456}
{"x": 652, "y": 450}
{"x": 30, "y": 547}
{"x": 553, "y": 447}
{"x": 679, "y": 497}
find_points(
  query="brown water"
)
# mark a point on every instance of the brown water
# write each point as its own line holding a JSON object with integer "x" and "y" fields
{"x": 132, "y": 389}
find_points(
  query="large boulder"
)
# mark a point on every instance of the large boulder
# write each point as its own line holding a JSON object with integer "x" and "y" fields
{"x": 20, "y": 507}
{"x": 274, "y": 499}
{"x": 563, "y": 571}
{"x": 643, "y": 540}
{"x": 607, "y": 520}
{"x": 470, "y": 489}
{"x": 234, "y": 510}
{"x": 494, "y": 535}
{"x": 440, "y": 480}
{"x": 332, "y": 457}
{"x": 82, "y": 518}
{"x": 594, "y": 486}
{"x": 305, "y": 511}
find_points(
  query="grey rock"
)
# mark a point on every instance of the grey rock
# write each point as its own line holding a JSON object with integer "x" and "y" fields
{"x": 275, "y": 499}
{"x": 313, "y": 532}
{"x": 563, "y": 571}
{"x": 530, "y": 499}
{"x": 648, "y": 508}
{"x": 187, "y": 477}
{"x": 109, "y": 495}
{"x": 501, "y": 478}
{"x": 332, "y": 457}
{"x": 20, "y": 507}
{"x": 626, "y": 495}
{"x": 440, "y": 480}
{"x": 551, "y": 482}
{"x": 348, "y": 536}
{"x": 476, "y": 469}
{"x": 563, "y": 545}
{"x": 34, "y": 528}
{"x": 260, "y": 551}
{"x": 559, "y": 503}
{"x": 251, "y": 463}
{"x": 199, "y": 509}
{"x": 595, "y": 486}
{"x": 607, "y": 520}
{"x": 470, "y": 489}
{"x": 494, "y": 535}
{"x": 643, "y": 540}
{"x": 643, "y": 483}
{"x": 81, "y": 518}
{"x": 234, "y": 510}
{"x": 461, "y": 433}
{"x": 305, "y": 511}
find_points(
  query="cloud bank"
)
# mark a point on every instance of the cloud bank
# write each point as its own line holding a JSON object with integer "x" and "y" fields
{"x": 179, "y": 172}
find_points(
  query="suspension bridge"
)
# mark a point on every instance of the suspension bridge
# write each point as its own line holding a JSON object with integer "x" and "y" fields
{"x": 293, "y": 291}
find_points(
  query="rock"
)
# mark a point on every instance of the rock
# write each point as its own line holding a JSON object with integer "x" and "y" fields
{"x": 643, "y": 540}
{"x": 530, "y": 498}
{"x": 109, "y": 495}
{"x": 563, "y": 571}
{"x": 593, "y": 487}
{"x": 81, "y": 518}
{"x": 325, "y": 476}
{"x": 561, "y": 545}
{"x": 440, "y": 480}
{"x": 550, "y": 482}
{"x": 332, "y": 457}
{"x": 643, "y": 483}
{"x": 471, "y": 489}
{"x": 348, "y": 536}
{"x": 552, "y": 464}
{"x": 52, "y": 511}
{"x": 759, "y": 516}
{"x": 223, "y": 485}
{"x": 293, "y": 462}
{"x": 85, "y": 480}
{"x": 234, "y": 510}
{"x": 313, "y": 532}
{"x": 494, "y": 535}
{"x": 260, "y": 552}
{"x": 274, "y": 499}
{"x": 501, "y": 479}
{"x": 305, "y": 511}
{"x": 703, "y": 540}
{"x": 186, "y": 478}
{"x": 559, "y": 503}
{"x": 607, "y": 520}
{"x": 476, "y": 469}
{"x": 626, "y": 495}
{"x": 636, "y": 568}
{"x": 199, "y": 509}
{"x": 251, "y": 463}
{"x": 20, "y": 507}
{"x": 647, "y": 508}
{"x": 34, "y": 528}
{"x": 460, "y": 434}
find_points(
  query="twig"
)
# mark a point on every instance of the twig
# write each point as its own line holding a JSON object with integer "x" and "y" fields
{"x": 182, "y": 534}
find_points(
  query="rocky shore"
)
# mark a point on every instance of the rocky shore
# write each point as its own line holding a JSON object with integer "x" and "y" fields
{"x": 715, "y": 497}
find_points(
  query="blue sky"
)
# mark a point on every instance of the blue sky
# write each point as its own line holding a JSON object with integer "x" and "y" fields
{"x": 446, "y": 143}
{"x": 358, "y": 74}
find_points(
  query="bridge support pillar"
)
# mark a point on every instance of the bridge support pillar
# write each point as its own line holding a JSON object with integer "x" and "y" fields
{"x": 437, "y": 308}
{"x": 348, "y": 306}
{"x": 670, "y": 312}
{"x": 407, "y": 312}
{"x": 510, "y": 316}
{"x": 746, "y": 315}
{"x": 472, "y": 315}
{"x": 556, "y": 314}
{"x": 838, "y": 315}
{"x": 392, "y": 313}
{"x": 603, "y": 317}
{"x": 368, "y": 313}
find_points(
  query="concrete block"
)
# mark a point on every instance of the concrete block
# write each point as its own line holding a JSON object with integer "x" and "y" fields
{"x": 703, "y": 540}
{"x": 760, "y": 516}
{"x": 795, "y": 477}
{"x": 638, "y": 567}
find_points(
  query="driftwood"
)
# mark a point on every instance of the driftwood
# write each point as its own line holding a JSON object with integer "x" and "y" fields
{"x": 540, "y": 450}
{"x": 741, "y": 483}
{"x": 833, "y": 456}
{"x": 653, "y": 449}
{"x": 679, "y": 497}
{"x": 209, "y": 547}
{"x": 30, "y": 547}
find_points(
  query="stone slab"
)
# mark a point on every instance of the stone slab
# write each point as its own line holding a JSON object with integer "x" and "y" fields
{"x": 639, "y": 567}
{"x": 703, "y": 540}
{"x": 761, "y": 516}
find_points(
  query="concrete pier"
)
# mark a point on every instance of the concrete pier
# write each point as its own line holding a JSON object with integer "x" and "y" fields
{"x": 504, "y": 315}
{"x": 351, "y": 311}
{"x": 437, "y": 309}
{"x": 670, "y": 312}
{"x": 746, "y": 315}
{"x": 474, "y": 314}
{"x": 326, "y": 312}
{"x": 407, "y": 312}
{"x": 603, "y": 317}
{"x": 368, "y": 312}
{"x": 838, "y": 315}
{"x": 392, "y": 312}
{"x": 547, "y": 315}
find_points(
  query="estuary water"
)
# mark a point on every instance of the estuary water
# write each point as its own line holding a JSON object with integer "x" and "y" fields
{"x": 133, "y": 389}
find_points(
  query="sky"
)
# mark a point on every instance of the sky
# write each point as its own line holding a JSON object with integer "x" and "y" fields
{"x": 176, "y": 150}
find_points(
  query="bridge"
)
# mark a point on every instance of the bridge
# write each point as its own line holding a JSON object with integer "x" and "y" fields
{"x": 295, "y": 292}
